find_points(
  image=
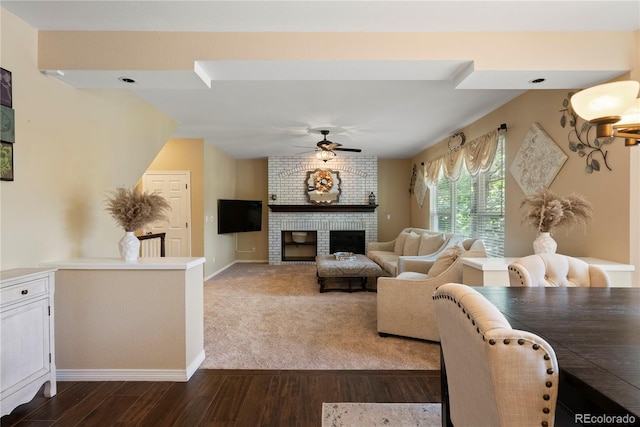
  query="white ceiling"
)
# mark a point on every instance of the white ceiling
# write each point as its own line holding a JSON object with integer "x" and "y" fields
{"x": 390, "y": 109}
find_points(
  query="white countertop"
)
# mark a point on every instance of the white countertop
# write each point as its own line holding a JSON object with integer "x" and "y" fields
{"x": 24, "y": 273}
{"x": 164, "y": 263}
{"x": 495, "y": 264}
{"x": 488, "y": 263}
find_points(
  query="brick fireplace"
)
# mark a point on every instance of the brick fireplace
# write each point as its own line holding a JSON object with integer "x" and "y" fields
{"x": 291, "y": 211}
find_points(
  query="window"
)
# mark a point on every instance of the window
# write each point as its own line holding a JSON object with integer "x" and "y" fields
{"x": 473, "y": 206}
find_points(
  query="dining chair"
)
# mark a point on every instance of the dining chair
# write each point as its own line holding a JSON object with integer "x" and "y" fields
{"x": 557, "y": 270}
{"x": 152, "y": 245}
{"x": 496, "y": 375}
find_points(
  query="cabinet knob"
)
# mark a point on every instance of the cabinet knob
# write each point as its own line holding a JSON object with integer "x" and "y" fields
{"x": 25, "y": 291}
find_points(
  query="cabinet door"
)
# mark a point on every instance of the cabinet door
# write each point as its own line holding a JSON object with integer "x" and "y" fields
{"x": 25, "y": 344}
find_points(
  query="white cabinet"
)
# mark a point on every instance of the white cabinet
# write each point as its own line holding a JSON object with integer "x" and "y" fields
{"x": 27, "y": 359}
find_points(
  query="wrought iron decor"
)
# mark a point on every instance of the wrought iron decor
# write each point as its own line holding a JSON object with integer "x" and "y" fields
{"x": 580, "y": 136}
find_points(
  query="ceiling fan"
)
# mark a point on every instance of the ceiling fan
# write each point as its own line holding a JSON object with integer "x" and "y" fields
{"x": 326, "y": 149}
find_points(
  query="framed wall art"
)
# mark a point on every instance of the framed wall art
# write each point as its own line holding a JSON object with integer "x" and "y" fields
{"x": 6, "y": 161}
{"x": 7, "y": 124}
{"x": 6, "y": 88}
{"x": 537, "y": 162}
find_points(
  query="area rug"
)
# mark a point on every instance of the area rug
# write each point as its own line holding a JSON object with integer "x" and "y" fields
{"x": 261, "y": 316}
{"x": 381, "y": 414}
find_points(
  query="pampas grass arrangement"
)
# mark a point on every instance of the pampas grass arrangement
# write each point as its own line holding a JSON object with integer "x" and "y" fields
{"x": 547, "y": 212}
{"x": 133, "y": 209}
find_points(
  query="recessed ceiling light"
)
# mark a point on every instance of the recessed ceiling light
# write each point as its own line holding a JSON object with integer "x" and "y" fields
{"x": 536, "y": 81}
{"x": 126, "y": 79}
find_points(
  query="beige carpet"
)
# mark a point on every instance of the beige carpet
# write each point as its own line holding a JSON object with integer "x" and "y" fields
{"x": 260, "y": 316}
{"x": 381, "y": 414}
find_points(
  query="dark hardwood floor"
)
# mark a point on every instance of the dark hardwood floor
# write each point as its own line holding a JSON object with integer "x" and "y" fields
{"x": 222, "y": 398}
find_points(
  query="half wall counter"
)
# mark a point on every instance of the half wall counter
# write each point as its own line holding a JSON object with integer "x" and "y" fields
{"x": 129, "y": 321}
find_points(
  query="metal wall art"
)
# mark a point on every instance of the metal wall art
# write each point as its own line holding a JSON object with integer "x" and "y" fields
{"x": 579, "y": 136}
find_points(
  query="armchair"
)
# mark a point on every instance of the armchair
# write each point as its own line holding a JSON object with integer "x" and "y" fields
{"x": 496, "y": 375}
{"x": 550, "y": 269}
{"x": 404, "y": 305}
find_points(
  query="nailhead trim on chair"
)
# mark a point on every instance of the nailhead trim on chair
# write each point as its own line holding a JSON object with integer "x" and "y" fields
{"x": 519, "y": 275}
{"x": 507, "y": 341}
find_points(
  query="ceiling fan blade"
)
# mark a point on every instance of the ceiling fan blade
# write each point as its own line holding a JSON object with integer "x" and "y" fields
{"x": 353, "y": 150}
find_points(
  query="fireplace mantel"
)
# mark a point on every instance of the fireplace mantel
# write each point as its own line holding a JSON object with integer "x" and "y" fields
{"x": 323, "y": 208}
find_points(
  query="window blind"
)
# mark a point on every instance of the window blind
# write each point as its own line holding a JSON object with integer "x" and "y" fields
{"x": 473, "y": 205}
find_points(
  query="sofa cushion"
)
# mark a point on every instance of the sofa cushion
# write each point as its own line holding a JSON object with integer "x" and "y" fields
{"x": 391, "y": 267}
{"x": 411, "y": 245}
{"x": 387, "y": 260}
{"x": 411, "y": 275}
{"x": 444, "y": 261}
{"x": 429, "y": 243}
{"x": 376, "y": 256}
{"x": 400, "y": 241}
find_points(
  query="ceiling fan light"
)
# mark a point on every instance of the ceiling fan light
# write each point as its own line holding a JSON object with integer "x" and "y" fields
{"x": 325, "y": 155}
{"x": 605, "y": 101}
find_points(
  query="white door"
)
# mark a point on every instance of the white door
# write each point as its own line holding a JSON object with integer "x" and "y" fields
{"x": 176, "y": 188}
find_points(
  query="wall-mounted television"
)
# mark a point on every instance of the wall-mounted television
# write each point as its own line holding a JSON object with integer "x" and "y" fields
{"x": 239, "y": 216}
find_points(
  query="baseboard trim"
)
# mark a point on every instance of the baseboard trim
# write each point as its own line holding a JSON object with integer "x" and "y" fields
{"x": 215, "y": 273}
{"x": 193, "y": 366}
{"x": 238, "y": 261}
{"x": 173, "y": 375}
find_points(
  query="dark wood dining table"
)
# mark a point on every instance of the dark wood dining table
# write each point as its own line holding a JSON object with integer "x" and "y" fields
{"x": 595, "y": 333}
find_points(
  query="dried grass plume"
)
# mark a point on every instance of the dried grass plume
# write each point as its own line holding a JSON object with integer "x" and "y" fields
{"x": 133, "y": 209}
{"x": 547, "y": 212}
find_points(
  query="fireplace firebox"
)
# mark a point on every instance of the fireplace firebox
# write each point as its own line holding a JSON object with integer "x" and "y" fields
{"x": 299, "y": 245}
{"x": 347, "y": 241}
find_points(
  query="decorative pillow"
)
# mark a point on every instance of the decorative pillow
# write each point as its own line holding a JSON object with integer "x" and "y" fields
{"x": 430, "y": 243}
{"x": 411, "y": 245}
{"x": 445, "y": 260}
{"x": 400, "y": 240}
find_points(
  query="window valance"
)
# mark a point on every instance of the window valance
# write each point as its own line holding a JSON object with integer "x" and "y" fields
{"x": 476, "y": 155}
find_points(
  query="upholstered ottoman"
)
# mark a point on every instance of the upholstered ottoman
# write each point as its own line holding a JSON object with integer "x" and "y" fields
{"x": 360, "y": 268}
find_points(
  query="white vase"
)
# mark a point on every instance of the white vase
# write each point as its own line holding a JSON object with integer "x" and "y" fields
{"x": 544, "y": 243}
{"x": 129, "y": 246}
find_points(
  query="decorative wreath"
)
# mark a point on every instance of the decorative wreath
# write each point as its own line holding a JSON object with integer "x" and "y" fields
{"x": 323, "y": 181}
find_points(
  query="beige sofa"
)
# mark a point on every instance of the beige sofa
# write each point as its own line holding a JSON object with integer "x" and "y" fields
{"x": 416, "y": 244}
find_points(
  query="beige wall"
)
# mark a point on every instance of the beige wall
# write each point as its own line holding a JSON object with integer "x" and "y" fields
{"x": 72, "y": 147}
{"x": 187, "y": 155}
{"x": 219, "y": 183}
{"x": 609, "y": 235}
{"x": 86, "y": 50}
{"x": 393, "y": 197}
{"x": 252, "y": 184}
